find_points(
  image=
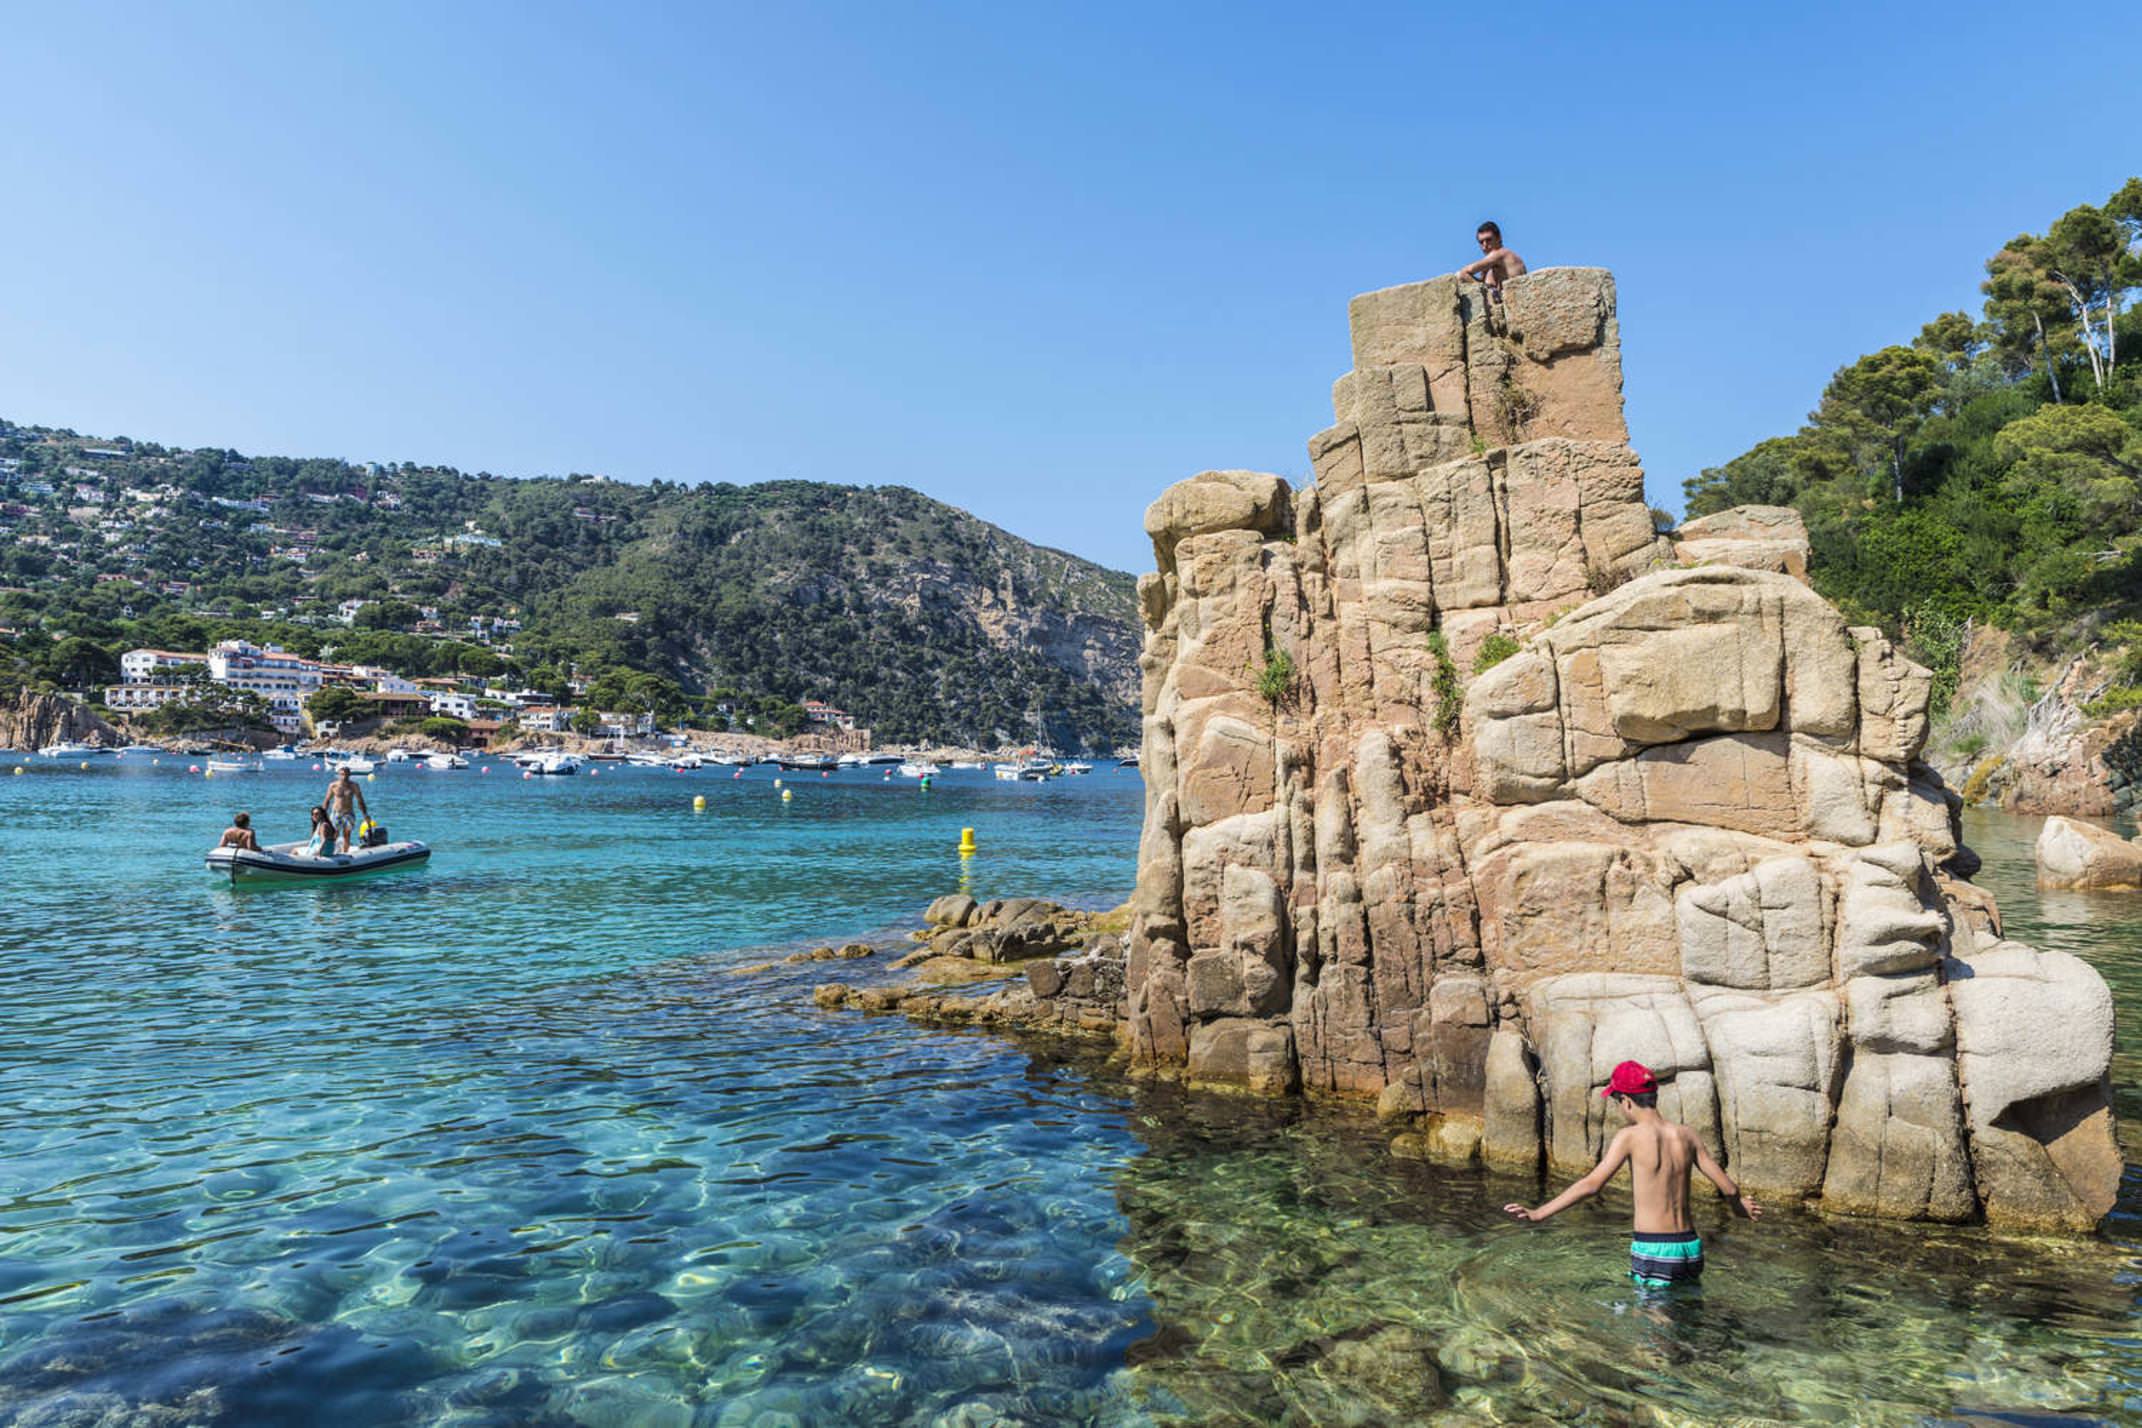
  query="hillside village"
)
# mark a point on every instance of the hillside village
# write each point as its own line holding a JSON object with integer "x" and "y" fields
{"x": 187, "y": 590}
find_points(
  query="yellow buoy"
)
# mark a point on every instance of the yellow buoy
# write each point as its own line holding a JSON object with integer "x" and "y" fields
{"x": 18, "y": 769}
{"x": 83, "y": 764}
{"x": 205, "y": 773}
{"x": 368, "y": 778}
{"x": 787, "y": 794}
{"x": 966, "y": 842}
{"x": 699, "y": 803}
{"x": 777, "y": 781}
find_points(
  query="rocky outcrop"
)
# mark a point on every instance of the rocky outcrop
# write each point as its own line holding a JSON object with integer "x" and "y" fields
{"x": 2073, "y": 854}
{"x": 1015, "y": 964}
{"x": 1685, "y": 822}
{"x": 29, "y": 720}
{"x": 1752, "y": 537}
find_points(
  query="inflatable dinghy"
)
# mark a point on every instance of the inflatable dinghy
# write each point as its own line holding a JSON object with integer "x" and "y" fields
{"x": 285, "y": 863}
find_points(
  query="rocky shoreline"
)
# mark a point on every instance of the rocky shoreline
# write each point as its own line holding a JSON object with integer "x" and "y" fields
{"x": 1009, "y": 964}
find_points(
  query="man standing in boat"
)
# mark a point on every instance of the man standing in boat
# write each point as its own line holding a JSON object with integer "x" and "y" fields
{"x": 344, "y": 801}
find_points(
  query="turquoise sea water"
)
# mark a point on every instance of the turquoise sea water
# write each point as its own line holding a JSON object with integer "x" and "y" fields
{"x": 505, "y": 1141}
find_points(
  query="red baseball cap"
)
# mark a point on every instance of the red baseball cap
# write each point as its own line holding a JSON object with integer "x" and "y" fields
{"x": 1631, "y": 1078}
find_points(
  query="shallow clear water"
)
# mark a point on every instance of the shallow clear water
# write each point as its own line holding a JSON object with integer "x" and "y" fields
{"x": 504, "y": 1141}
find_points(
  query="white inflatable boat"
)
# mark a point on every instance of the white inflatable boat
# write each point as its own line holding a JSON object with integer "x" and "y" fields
{"x": 285, "y": 863}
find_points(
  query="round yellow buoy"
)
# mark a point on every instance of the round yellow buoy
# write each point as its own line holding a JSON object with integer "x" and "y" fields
{"x": 966, "y": 842}
{"x": 18, "y": 769}
{"x": 699, "y": 803}
{"x": 368, "y": 778}
{"x": 777, "y": 781}
{"x": 83, "y": 764}
{"x": 787, "y": 794}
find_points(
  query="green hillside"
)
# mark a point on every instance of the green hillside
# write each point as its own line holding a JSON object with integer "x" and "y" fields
{"x": 1990, "y": 469}
{"x": 922, "y": 620}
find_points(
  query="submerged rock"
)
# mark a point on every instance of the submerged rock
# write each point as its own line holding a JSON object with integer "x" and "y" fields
{"x": 1460, "y": 791}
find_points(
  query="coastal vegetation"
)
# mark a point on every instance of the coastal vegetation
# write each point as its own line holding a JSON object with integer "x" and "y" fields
{"x": 1988, "y": 471}
{"x": 707, "y": 604}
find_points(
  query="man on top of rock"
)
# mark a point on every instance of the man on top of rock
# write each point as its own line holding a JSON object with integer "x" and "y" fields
{"x": 1663, "y": 1248}
{"x": 1498, "y": 265}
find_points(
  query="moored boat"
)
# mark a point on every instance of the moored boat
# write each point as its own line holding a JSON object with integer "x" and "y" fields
{"x": 287, "y": 863}
{"x": 919, "y": 770}
{"x": 1076, "y": 767}
{"x": 809, "y": 763}
{"x": 554, "y": 762}
{"x": 233, "y": 766}
{"x": 355, "y": 763}
{"x": 68, "y": 749}
{"x": 445, "y": 761}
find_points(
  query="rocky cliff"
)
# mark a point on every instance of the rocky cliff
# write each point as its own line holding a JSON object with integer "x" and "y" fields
{"x": 29, "y": 720}
{"x": 1685, "y": 822}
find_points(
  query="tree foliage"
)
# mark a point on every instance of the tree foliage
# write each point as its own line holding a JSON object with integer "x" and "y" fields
{"x": 1991, "y": 470}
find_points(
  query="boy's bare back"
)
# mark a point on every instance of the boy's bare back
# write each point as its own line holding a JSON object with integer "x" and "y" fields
{"x": 1661, "y": 1155}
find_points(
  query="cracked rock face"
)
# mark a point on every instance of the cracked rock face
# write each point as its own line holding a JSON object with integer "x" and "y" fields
{"x": 1684, "y": 822}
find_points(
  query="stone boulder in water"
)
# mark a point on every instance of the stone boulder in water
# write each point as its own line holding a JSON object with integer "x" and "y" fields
{"x": 1684, "y": 823}
{"x": 2074, "y": 854}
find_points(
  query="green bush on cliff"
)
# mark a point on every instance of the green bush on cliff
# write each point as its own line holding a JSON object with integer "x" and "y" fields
{"x": 1496, "y": 648}
{"x": 1449, "y": 692}
{"x": 1275, "y": 681}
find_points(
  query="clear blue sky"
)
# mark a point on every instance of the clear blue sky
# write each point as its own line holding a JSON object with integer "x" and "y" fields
{"x": 1037, "y": 261}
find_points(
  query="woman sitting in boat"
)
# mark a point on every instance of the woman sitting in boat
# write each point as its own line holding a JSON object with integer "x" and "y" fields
{"x": 323, "y": 834}
{"x": 240, "y": 834}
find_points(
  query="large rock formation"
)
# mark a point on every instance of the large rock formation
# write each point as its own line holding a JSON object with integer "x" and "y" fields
{"x": 1684, "y": 822}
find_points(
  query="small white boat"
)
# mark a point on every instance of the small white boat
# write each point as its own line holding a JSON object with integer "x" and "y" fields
{"x": 445, "y": 761}
{"x": 1007, "y": 772}
{"x": 233, "y": 766}
{"x": 918, "y": 770}
{"x": 967, "y": 764}
{"x": 555, "y": 763}
{"x": 283, "y": 755}
{"x": 288, "y": 863}
{"x": 400, "y": 756}
{"x": 67, "y": 749}
{"x": 355, "y": 763}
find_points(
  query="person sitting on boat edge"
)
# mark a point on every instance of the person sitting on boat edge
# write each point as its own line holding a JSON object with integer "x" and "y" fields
{"x": 344, "y": 799}
{"x": 1664, "y": 1248}
{"x": 240, "y": 834}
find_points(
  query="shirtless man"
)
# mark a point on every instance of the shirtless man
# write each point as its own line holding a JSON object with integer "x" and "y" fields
{"x": 1499, "y": 264}
{"x": 1663, "y": 1249}
{"x": 240, "y": 834}
{"x": 342, "y": 792}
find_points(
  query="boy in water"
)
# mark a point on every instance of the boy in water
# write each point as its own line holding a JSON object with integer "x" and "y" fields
{"x": 1498, "y": 266}
{"x": 1663, "y": 1248}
